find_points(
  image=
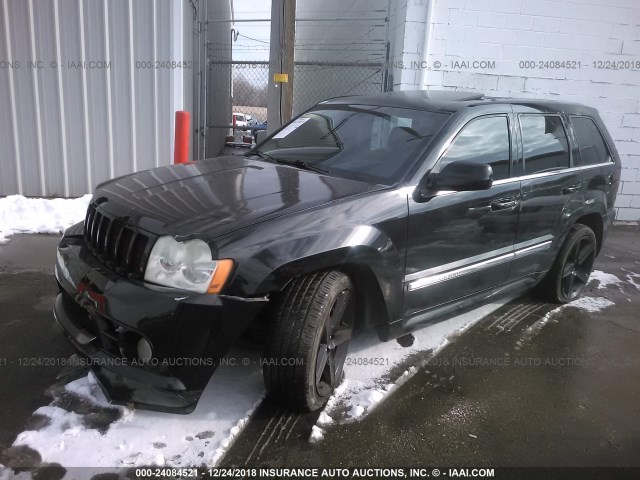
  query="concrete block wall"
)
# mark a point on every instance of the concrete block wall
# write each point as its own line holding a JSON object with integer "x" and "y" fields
{"x": 524, "y": 43}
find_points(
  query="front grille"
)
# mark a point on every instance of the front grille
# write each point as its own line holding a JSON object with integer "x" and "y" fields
{"x": 119, "y": 246}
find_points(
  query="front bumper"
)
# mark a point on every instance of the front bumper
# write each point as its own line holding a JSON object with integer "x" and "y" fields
{"x": 104, "y": 315}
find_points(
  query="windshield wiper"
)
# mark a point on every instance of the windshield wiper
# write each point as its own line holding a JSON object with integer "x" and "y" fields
{"x": 301, "y": 164}
{"x": 292, "y": 163}
{"x": 262, "y": 155}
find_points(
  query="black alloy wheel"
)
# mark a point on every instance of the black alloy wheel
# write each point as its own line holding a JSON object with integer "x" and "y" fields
{"x": 570, "y": 272}
{"x": 334, "y": 344}
{"x": 312, "y": 324}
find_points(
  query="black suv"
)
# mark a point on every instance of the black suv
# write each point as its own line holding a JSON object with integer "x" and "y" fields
{"x": 385, "y": 212}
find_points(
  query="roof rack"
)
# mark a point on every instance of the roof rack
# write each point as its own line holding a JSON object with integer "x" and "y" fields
{"x": 447, "y": 95}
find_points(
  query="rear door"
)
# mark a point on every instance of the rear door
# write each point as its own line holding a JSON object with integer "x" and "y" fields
{"x": 460, "y": 243}
{"x": 549, "y": 186}
{"x": 598, "y": 170}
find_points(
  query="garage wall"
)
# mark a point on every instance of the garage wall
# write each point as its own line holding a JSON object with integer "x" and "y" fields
{"x": 503, "y": 33}
{"x": 75, "y": 106}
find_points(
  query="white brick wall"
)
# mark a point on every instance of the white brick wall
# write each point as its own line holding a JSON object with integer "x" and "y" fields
{"x": 510, "y": 31}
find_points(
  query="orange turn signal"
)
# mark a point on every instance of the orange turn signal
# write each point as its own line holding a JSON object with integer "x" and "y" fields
{"x": 221, "y": 275}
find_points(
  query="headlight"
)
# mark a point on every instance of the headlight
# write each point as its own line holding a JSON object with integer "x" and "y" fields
{"x": 187, "y": 265}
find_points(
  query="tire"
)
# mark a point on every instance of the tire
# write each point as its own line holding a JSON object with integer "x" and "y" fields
{"x": 311, "y": 330}
{"x": 572, "y": 267}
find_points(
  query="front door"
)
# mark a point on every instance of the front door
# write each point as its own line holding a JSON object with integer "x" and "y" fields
{"x": 460, "y": 243}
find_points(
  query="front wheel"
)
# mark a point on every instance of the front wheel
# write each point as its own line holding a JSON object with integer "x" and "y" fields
{"x": 312, "y": 326}
{"x": 570, "y": 272}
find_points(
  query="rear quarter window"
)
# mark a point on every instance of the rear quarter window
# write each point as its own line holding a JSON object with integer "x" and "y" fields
{"x": 592, "y": 147}
{"x": 545, "y": 143}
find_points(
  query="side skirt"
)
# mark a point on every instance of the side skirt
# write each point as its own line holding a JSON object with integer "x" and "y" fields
{"x": 460, "y": 306}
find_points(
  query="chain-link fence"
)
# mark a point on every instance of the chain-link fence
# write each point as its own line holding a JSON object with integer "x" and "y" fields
{"x": 249, "y": 89}
{"x": 241, "y": 92}
{"x": 317, "y": 81}
{"x": 243, "y": 85}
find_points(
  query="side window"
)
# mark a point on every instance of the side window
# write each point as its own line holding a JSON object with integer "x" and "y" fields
{"x": 593, "y": 149}
{"x": 545, "y": 143}
{"x": 483, "y": 140}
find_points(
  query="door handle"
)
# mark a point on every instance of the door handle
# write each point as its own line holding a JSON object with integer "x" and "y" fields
{"x": 571, "y": 188}
{"x": 477, "y": 212}
{"x": 504, "y": 203}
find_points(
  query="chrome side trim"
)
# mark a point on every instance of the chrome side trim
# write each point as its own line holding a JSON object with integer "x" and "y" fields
{"x": 447, "y": 267}
{"x": 474, "y": 264}
{"x": 529, "y": 250}
{"x": 549, "y": 174}
{"x": 477, "y": 258}
{"x": 443, "y": 277}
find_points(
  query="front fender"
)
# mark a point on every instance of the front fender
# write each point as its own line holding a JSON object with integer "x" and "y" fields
{"x": 366, "y": 249}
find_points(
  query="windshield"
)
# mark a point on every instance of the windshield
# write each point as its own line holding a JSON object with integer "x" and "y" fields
{"x": 369, "y": 143}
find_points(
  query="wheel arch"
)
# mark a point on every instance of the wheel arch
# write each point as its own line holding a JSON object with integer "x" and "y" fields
{"x": 371, "y": 308}
{"x": 377, "y": 300}
{"x": 594, "y": 222}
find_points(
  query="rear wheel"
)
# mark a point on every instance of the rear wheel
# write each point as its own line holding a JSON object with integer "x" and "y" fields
{"x": 312, "y": 327}
{"x": 571, "y": 270}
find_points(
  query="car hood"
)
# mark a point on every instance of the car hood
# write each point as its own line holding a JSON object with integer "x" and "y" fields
{"x": 218, "y": 195}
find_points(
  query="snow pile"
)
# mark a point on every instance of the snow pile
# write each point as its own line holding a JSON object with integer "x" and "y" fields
{"x": 19, "y": 214}
{"x": 138, "y": 437}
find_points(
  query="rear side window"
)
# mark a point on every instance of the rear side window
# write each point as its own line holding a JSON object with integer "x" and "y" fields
{"x": 482, "y": 140}
{"x": 545, "y": 143}
{"x": 593, "y": 149}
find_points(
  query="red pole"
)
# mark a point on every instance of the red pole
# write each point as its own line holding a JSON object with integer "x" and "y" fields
{"x": 181, "y": 147}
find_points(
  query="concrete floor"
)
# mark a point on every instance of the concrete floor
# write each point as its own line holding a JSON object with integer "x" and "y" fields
{"x": 500, "y": 415}
{"x": 27, "y": 290}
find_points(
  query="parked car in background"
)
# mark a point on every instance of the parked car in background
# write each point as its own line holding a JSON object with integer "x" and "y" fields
{"x": 258, "y": 127}
{"x": 384, "y": 212}
{"x": 241, "y": 120}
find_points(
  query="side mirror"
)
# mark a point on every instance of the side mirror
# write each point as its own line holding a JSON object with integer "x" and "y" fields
{"x": 462, "y": 176}
{"x": 260, "y": 136}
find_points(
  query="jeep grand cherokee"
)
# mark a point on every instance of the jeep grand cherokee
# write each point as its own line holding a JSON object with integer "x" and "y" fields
{"x": 386, "y": 212}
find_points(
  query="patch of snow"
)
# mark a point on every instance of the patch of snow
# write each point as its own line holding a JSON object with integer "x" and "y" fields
{"x": 325, "y": 419}
{"x": 316, "y": 434}
{"x": 142, "y": 437}
{"x": 533, "y": 329}
{"x": 631, "y": 278}
{"x": 356, "y": 411}
{"x": 20, "y": 214}
{"x": 591, "y": 304}
{"x": 604, "y": 279}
